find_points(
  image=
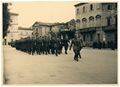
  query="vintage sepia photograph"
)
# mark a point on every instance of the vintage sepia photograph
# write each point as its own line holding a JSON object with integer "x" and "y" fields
{"x": 60, "y": 42}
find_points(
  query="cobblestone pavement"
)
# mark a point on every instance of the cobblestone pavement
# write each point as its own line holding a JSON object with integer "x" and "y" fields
{"x": 95, "y": 67}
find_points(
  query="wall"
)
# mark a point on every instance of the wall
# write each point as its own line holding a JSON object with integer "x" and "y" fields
{"x": 98, "y": 9}
{"x": 13, "y": 28}
{"x": 55, "y": 29}
{"x": 24, "y": 33}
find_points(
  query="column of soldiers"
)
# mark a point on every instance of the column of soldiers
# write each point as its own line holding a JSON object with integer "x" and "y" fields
{"x": 42, "y": 45}
{"x": 46, "y": 45}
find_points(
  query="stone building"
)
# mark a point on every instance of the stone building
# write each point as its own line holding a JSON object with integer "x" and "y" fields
{"x": 47, "y": 29}
{"x": 97, "y": 22}
{"x": 41, "y": 29}
{"x": 13, "y": 28}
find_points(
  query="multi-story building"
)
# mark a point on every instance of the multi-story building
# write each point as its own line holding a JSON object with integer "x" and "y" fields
{"x": 45, "y": 29}
{"x": 97, "y": 22}
{"x": 59, "y": 29}
{"x": 41, "y": 29}
{"x": 24, "y": 32}
{"x": 13, "y": 28}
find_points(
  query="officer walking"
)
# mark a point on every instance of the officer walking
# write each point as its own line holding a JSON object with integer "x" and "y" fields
{"x": 76, "y": 47}
{"x": 81, "y": 45}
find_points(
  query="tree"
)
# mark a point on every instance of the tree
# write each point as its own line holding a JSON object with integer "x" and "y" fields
{"x": 6, "y": 19}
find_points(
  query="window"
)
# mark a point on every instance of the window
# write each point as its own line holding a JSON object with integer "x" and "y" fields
{"x": 91, "y": 18}
{"x": 77, "y": 10}
{"x": 109, "y": 19}
{"x": 98, "y": 17}
{"x": 36, "y": 30}
{"x": 78, "y": 20}
{"x": 91, "y": 21}
{"x": 83, "y": 9}
{"x": 115, "y": 5}
{"x": 91, "y": 7}
{"x": 98, "y": 6}
{"x": 109, "y": 7}
{"x": 84, "y": 20}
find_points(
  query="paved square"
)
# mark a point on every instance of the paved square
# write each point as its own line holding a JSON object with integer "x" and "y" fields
{"x": 95, "y": 67}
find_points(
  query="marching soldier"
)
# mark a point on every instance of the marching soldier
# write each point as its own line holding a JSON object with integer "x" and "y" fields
{"x": 33, "y": 46}
{"x": 59, "y": 46}
{"x": 52, "y": 42}
{"x": 37, "y": 46}
{"x": 56, "y": 46}
{"x": 45, "y": 43}
{"x": 65, "y": 42}
{"x": 40, "y": 46}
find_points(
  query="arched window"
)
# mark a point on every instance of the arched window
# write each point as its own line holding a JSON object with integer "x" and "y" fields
{"x": 78, "y": 20}
{"x": 98, "y": 17}
{"x": 84, "y": 20}
{"x": 91, "y": 18}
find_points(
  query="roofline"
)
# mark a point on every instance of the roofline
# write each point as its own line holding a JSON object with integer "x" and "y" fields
{"x": 48, "y": 25}
{"x": 79, "y": 4}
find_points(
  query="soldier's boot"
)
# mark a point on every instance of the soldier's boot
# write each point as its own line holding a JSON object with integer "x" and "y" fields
{"x": 56, "y": 53}
{"x": 39, "y": 53}
{"x": 65, "y": 51}
{"x": 79, "y": 55}
{"x": 32, "y": 53}
{"x": 77, "y": 59}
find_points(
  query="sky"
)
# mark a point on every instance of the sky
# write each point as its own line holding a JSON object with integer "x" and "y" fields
{"x": 49, "y": 11}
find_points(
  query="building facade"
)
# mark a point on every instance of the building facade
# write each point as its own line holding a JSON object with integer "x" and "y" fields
{"x": 13, "y": 28}
{"x": 97, "y": 22}
{"x": 24, "y": 32}
{"x": 46, "y": 29}
{"x": 41, "y": 29}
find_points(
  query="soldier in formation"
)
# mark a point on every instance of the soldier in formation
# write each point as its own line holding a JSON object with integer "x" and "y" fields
{"x": 42, "y": 45}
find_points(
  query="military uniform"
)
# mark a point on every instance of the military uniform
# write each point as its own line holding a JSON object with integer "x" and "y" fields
{"x": 65, "y": 44}
{"x": 52, "y": 42}
{"x": 76, "y": 47}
